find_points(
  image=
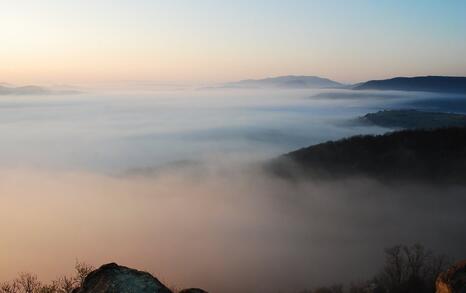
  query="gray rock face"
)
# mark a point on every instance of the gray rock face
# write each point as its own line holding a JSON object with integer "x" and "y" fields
{"x": 453, "y": 280}
{"x": 112, "y": 278}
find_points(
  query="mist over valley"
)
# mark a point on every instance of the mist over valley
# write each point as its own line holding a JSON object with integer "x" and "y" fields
{"x": 193, "y": 158}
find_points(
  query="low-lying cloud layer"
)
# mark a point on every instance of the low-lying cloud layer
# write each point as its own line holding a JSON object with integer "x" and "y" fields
{"x": 226, "y": 228}
{"x": 223, "y": 226}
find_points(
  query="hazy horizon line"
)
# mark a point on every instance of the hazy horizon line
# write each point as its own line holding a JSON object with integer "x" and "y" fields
{"x": 178, "y": 83}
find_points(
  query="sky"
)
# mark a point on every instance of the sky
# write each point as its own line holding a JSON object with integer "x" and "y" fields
{"x": 206, "y": 41}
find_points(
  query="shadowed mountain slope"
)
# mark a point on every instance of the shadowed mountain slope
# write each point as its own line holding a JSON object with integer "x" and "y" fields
{"x": 289, "y": 81}
{"x": 414, "y": 119}
{"x": 23, "y": 90}
{"x": 437, "y": 155}
{"x": 446, "y": 84}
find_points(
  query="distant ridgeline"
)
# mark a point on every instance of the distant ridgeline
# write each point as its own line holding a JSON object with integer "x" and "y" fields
{"x": 23, "y": 90}
{"x": 446, "y": 84}
{"x": 414, "y": 119}
{"x": 433, "y": 156}
{"x": 6, "y": 89}
{"x": 289, "y": 81}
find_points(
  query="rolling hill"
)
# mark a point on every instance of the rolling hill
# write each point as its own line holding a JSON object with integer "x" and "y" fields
{"x": 289, "y": 81}
{"x": 433, "y": 156}
{"x": 23, "y": 90}
{"x": 414, "y": 119}
{"x": 445, "y": 84}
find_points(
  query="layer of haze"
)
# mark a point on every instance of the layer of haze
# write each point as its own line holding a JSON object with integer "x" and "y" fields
{"x": 220, "y": 229}
{"x": 168, "y": 182}
{"x": 87, "y": 41}
{"x": 117, "y": 132}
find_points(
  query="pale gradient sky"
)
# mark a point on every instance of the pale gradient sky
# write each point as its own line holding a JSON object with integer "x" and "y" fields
{"x": 79, "y": 41}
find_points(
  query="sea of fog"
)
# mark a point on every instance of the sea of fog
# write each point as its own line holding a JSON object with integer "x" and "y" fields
{"x": 162, "y": 181}
{"x": 115, "y": 132}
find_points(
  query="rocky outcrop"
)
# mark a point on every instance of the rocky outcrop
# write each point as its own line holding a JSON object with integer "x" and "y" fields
{"x": 112, "y": 278}
{"x": 453, "y": 280}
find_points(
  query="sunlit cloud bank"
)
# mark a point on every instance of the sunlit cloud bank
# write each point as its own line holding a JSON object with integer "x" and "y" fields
{"x": 219, "y": 227}
{"x": 113, "y": 132}
{"x": 185, "y": 199}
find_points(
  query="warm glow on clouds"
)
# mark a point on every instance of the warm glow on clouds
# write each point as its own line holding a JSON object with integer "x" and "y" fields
{"x": 192, "y": 228}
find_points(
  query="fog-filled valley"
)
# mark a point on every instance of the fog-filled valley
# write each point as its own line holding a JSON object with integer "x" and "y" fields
{"x": 170, "y": 182}
{"x": 117, "y": 132}
{"x": 242, "y": 146}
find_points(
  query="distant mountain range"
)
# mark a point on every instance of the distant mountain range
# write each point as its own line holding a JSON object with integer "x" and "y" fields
{"x": 23, "y": 90}
{"x": 6, "y": 89}
{"x": 289, "y": 81}
{"x": 445, "y": 84}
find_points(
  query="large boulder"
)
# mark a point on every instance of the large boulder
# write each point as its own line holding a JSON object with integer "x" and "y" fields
{"x": 112, "y": 278}
{"x": 453, "y": 280}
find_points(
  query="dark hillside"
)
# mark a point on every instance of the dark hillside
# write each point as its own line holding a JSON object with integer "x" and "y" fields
{"x": 414, "y": 119}
{"x": 437, "y": 155}
{"x": 446, "y": 84}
